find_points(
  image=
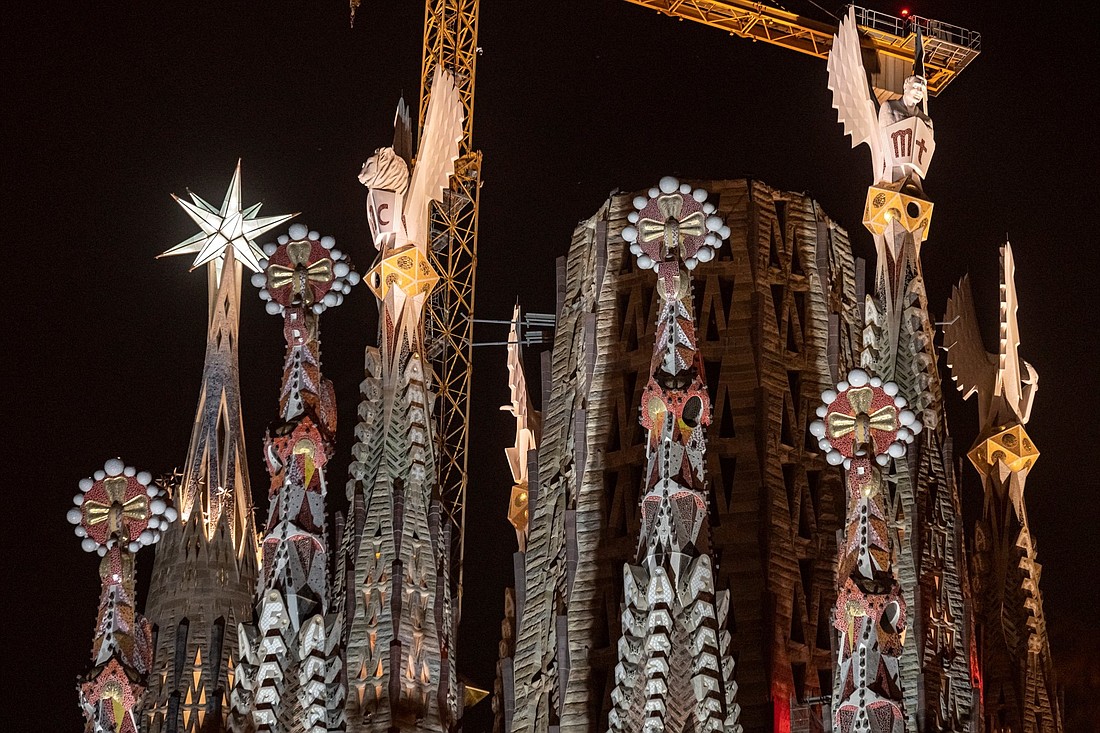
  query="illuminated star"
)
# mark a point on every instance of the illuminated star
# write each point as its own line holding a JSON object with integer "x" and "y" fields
{"x": 227, "y": 227}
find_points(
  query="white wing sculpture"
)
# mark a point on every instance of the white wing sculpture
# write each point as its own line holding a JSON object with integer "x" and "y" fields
{"x": 1001, "y": 380}
{"x": 435, "y": 161}
{"x": 852, "y": 99}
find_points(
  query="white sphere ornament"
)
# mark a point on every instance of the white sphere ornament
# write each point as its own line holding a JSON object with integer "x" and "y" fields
{"x": 86, "y": 484}
{"x": 298, "y": 231}
{"x": 158, "y": 505}
{"x": 78, "y": 499}
{"x": 330, "y": 299}
{"x": 336, "y": 254}
{"x": 129, "y": 471}
{"x": 101, "y": 551}
{"x": 882, "y": 459}
{"x": 691, "y": 263}
{"x": 640, "y": 202}
{"x": 146, "y": 537}
{"x": 858, "y": 378}
{"x": 341, "y": 269}
{"x": 630, "y": 234}
{"x": 876, "y": 382}
{"x": 833, "y": 458}
{"x": 709, "y": 208}
{"x": 114, "y": 466}
{"x": 79, "y": 531}
{"x": 269, "y": 248}
{"x": 328, "y": 241}
{"x": 144, "y": 478}
{"x": 668, "y": 184}
{"x": 817, "y": 428}
{"x": 282, "y": 239}
{"x": 635, "y": 249}
{"x": 724, "y": 232}
{"x": 171, "y": 514}
{"x": 632, "y": 217}
{"x": 88, "y": 544}
{"x": 822, "y": 411}
{"x": 828, "y": 396}
{"x": 258, "y": 279}
{"x": 890, "y": 388}
{"x": 354, "y": 278}
{"x": 714, "y": 223}
{"x": 699, "y": 195}
{"x": 74, "y": 515}
{"x": 314, "y": 235}
{"x": 653, "y": 193}
{"x": 645, "y": 262}
{"x": 152, "y": 491}
{"x": 133, "y": 546}
{"x": 99, "y": 475}
{"x": 896, "y": 450}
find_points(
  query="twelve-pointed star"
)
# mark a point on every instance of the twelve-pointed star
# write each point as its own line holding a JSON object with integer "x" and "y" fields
{"x": 228, "y": 227}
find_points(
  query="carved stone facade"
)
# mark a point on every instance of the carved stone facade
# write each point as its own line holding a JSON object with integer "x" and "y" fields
{"x": 777, "y": 320}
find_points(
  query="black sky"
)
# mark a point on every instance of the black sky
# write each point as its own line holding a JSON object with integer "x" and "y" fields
{"x": 109, "y": 107}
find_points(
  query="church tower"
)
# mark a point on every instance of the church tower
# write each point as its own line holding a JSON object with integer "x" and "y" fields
{"x": 1013, "y": 659}
{"x": 393, "y": 574}
{"x": 204, "y": 571}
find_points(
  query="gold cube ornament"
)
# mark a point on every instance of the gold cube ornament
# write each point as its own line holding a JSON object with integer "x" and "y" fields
{"x": 1011, "y": 446}
{"x": 408, "y": 269}
{"x": 517, "y": 508}
{"x": 892, "y": 202}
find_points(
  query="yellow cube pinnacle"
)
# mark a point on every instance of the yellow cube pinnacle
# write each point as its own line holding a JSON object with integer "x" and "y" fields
{"x": 406, "y": 268}
{"x": 893, "y": 202}
{"x": 517, "y": 508}
{"x": 1011, "y": 446}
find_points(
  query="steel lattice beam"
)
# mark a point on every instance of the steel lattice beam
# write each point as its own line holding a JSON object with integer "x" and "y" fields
{"x": 450, "y": 41}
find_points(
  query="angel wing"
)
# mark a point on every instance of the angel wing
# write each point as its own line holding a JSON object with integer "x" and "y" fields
{"x": 972, "y": 367}
{"x": 402, "y": 132}
{"x": 435, "y": 162}
{"x": 851, "y": 94}
{"x": 1018, "y": 391}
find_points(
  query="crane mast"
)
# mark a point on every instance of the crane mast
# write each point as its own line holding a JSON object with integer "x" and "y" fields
{"x": 450, "y": 41}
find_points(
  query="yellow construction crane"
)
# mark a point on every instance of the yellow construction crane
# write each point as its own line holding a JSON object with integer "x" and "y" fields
{"x": 947, "y": 48}
{"x": 450, "y": 41}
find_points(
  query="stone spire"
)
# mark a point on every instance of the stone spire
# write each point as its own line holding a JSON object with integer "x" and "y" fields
{"x": 922, "y": 505}
{"x": 675, "y": 671}
{"x": 287, "y": 677}
{"x": 204, "y": 571}
{"x": 1013, "y": 661}
{"x": 117, "y": 512}
{"x": 393, "y": 573}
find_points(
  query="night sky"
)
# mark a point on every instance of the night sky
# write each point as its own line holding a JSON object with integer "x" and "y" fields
{"x": 110, "y": 107}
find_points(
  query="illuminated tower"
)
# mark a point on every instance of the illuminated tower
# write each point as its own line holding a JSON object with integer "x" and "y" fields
{"x": 1016, "y": 672}
{"x": 776, "y": 321}
{"x": 922, "y": 504}
{"x": 287, "y": 675}
{"x": 393, "y": 581}
{"x": 118, "y": 510}
{"x": 204, "y": 571}
{"x": 675, "y": 670}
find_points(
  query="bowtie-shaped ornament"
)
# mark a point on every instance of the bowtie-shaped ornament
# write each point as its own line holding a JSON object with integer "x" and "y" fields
{"x": 670, "y": 228}
{"x": 118, "y": 511}
{"x": 863, "y": 416}
{"x": 119, "y": 507}
{"x": 304, "y": 270}
{"x": 674, "y": 224}
{"x": 305, "y": 278}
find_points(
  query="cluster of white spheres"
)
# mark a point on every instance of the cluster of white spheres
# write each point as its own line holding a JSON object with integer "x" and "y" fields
{"x": 344, "y": 277}
{"x": 160, "y": 513}
{"x": 909, "y": 428}
{"x": 717, "y": 231}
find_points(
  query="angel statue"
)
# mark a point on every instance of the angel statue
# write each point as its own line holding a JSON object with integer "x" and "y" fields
{"x": 398, "y": 201}
{"x": 899, "y": 132}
